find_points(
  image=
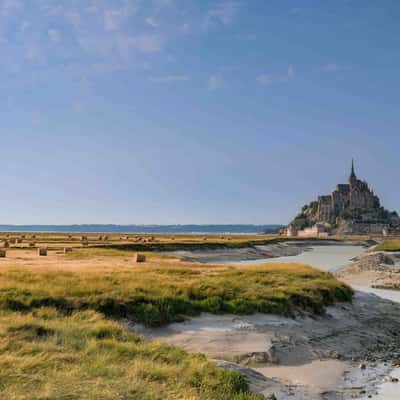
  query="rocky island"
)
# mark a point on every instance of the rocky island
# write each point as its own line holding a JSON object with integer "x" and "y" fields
{"x": 351, "y": 209}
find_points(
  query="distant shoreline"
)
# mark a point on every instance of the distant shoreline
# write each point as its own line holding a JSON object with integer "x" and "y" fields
{"x": 141, "y": 229}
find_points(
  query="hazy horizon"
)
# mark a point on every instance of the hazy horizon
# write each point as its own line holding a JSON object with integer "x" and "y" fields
{"x": 210, "y": 229}
{"x": 185, "y": 111}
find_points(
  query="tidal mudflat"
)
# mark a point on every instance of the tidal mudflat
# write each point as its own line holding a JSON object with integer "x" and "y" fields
{"x": 347, "y": 353}
{"x": 301, "y": 358}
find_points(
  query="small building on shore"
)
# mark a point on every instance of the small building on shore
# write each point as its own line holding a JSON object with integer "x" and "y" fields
{"x": 316, "y": 231}
{"x": 291, "y": 231}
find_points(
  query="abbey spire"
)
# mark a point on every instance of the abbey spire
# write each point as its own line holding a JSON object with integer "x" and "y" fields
{"x": 353, "y": 177}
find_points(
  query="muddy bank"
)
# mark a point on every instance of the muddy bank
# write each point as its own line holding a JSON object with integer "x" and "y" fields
{"x": 209, "y": 243}
{"x": 375, "y": 269}
{"x": 212, "y": 243}
{"x": 303, "y": 358}
{"x": 243, "y": 254}
{"x": 262, "y": 251}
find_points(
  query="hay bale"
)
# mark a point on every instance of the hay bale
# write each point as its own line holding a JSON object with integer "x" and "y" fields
{"x": 139, "y": 258}
{"x": 67, "y": 250}
{"x": 42, "y": 251}
{"x": 3, "y": 253}
{"x": 32, "y": 244}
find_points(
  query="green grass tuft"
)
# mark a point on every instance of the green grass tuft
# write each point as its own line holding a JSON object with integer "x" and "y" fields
{"x": 156, "y": 296}
{"x": 47, "y": 355}
{"x": 389, "y": 245}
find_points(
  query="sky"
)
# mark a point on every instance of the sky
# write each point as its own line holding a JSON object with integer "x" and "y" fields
{"x": 194, "y": 111}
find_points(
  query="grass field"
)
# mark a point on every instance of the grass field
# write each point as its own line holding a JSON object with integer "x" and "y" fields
{"x": 158, "y": 293}
{"x": 135, "y": 242}
{"x": 47, "y": 355}
{"x": 59, "y": 240}
{"x": 60, "y": 339}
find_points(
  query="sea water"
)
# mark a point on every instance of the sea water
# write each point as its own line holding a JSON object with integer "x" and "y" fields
{"x": 327, "y": 258}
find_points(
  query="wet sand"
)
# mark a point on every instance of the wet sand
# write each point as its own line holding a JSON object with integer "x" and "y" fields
{"x": 290, "y": 353}
{"x": 243, "y": 255}
{"x": 377, "y": 270}
{"x": 388, "y": 390}
{"x": 312, "y": 378}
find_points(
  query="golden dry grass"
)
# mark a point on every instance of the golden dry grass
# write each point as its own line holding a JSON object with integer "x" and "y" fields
{"x": 161, "y": 290}
{"x": 46, "y": 355}
{"x": 60, "y": 240}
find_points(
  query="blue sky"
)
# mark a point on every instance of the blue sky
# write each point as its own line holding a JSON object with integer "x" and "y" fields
{"x": 194, "y": 111}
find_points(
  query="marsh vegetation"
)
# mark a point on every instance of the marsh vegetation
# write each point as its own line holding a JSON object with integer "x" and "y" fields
{"x": 60, "y": 335}
{"x": 389, "y": 245}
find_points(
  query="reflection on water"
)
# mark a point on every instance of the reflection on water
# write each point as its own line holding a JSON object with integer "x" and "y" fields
{"x": 328, "y": 258}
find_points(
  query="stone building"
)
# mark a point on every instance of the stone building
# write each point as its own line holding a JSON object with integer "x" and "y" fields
{"x": 316, "y": 231}
{"x": 355, "y": 195}
{"x": 351, "y": 208}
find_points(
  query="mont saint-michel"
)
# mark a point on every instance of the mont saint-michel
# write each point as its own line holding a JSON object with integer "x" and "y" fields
{"x": 353, "y": 208}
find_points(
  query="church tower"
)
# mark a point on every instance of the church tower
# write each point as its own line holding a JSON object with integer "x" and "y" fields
{"x": 353, "y": 177}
